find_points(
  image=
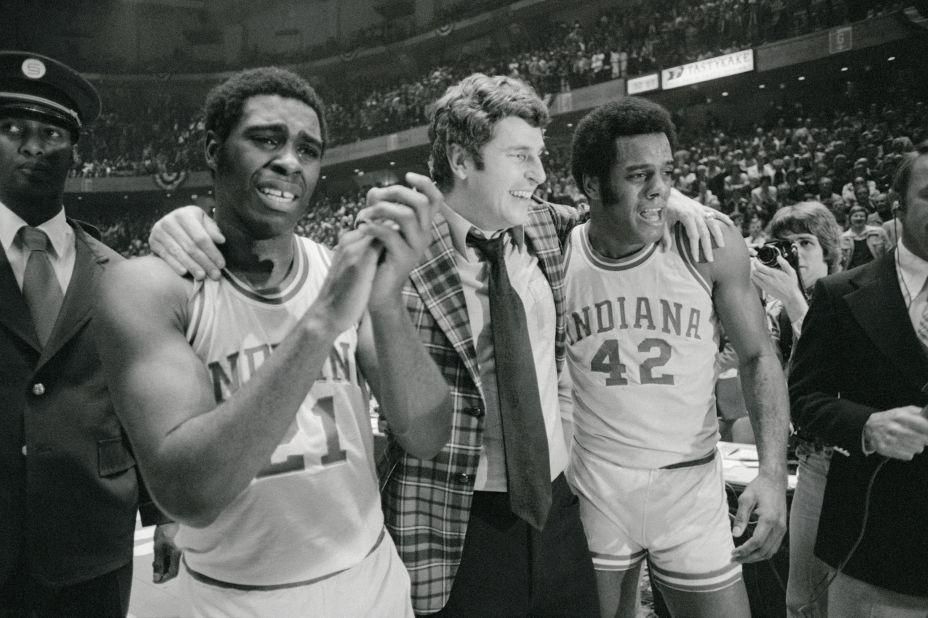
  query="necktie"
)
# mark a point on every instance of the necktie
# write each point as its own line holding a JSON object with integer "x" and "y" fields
{"x": 40, "y": 285}
{"x": 525, "y": 441}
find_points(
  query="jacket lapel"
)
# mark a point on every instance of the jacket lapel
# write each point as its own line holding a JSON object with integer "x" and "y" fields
{"x": 14, "y": 314}
{"x": 438, "y": 284}
{"x": 79, "y": 299}
{"x": 878, "y": 307}
{"x": 541, "y": 235}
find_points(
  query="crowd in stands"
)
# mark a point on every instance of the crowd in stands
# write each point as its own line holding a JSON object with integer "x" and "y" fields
{"x": 842, "y": 156}
{"x": 135, "y": 136}
{"x": 161, "y": 134}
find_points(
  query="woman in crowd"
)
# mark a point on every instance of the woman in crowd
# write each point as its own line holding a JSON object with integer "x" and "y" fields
{"x": 814, "y": 234}
{"x": 862, "y": 243}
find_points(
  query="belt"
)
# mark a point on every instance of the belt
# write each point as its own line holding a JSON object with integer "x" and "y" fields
{"x": 206, "y": 579}
{"x": 693, "y": 462}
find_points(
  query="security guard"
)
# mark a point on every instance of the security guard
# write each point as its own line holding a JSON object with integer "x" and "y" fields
{"x": 69, "y": 489}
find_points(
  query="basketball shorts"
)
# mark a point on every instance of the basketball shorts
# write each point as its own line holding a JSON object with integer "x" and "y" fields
{"x": 377, "y": 586}
{"x": 676, "y": 518}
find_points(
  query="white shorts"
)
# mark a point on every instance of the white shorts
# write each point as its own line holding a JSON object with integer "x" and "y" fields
{"x": 677, "y": 518}
{"x": 378, "y": 586}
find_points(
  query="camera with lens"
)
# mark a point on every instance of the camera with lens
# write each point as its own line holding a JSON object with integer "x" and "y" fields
{"x": 768, "y": 253}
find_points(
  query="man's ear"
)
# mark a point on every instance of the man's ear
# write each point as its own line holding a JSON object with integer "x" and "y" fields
{"x": 459, "y": 160}
{"x": 213, "y": 146}
{"x": 591, "y": 187}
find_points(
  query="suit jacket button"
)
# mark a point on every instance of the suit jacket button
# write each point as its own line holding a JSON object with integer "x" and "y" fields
{"x": 462, "y": 479}
{"x": 38, "y": 389}
{"x": 476, "y": 411}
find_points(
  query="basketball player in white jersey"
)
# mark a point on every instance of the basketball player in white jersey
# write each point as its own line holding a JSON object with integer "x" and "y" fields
{"x": 642, "y": 334}
{"x": 243, "y": 398}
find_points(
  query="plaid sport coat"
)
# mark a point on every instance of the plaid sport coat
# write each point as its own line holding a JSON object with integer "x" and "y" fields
{"x": 427, "y": 503}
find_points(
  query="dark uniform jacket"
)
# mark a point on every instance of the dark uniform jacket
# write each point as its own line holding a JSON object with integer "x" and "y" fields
{"x": 68, "y": 484}
{"x": 858, "y": 354}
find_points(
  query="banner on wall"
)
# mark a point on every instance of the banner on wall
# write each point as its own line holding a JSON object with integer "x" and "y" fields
{"x": 708, "y": 69}
{"x": 645, "y": 83}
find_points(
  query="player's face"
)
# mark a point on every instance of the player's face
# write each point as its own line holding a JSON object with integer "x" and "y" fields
{"x": 499, "y": 195}
{"x": 635, "y": 194}
{"x": 811, "y": 257}
{"x": 35, "y": 157}
{"x": 915, "y": 216}
{"x": 266, "y": 170}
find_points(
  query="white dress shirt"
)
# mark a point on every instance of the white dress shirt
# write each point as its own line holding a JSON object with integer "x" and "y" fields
{"x": 913, "y": 280}
{"x": 61, "y": 251}
{"x": 534, "y": 290}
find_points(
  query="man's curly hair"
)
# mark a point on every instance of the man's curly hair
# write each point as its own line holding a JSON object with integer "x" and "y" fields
{"x": 593, "y": 152}
{"x": 467, "y": 113}
{"x": 225, "y": 103}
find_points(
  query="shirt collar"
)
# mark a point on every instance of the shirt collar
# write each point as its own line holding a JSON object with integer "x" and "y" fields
{"x": 57, "y": 229}
{"x": 913, "y": 271}
{"x": 461, "y": 227}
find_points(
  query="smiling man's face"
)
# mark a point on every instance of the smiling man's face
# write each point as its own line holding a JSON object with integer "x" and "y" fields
{"x": 267, "y": 169}
{"x": 499, "y": 189}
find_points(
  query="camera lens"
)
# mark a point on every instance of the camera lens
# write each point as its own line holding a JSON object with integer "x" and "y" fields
{"x": 767, "y": 255}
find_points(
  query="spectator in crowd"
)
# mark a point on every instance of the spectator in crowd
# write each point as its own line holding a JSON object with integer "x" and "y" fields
{"x": 756, "y": 235}
{"x": 764, "y": 197}
{"x": 882, "y": 209}
{"x": 857, "y": 382}
{"x": 831, "y": 200}
{"x": 813, "y": 233}
{"x": 862, "y": 243}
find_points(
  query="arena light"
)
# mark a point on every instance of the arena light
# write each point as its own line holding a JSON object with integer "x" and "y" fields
{"x": 761, "y": 86}
{"x": 801, "y": 78}
{"x": 570, "y": 125}
{"x": 891, "y": 58}
{"x": 324, "y": 176}
{"x": 392, "y": 163}
{"x": 725, "y": 94}
{"x": 844, "y": 69}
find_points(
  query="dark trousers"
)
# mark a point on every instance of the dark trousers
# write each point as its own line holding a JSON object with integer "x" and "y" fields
{"x": 510, "y": 569}
{"x": 106, "y": 596}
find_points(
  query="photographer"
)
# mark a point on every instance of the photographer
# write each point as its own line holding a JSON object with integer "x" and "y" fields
{"x": 813, "y": 234}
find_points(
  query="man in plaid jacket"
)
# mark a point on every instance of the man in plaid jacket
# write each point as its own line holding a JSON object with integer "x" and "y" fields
{"x": 467, "y": 554}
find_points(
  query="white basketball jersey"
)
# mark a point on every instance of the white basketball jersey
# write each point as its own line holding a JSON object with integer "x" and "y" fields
{"x": 641, "y": 345}
{"x": 314, "y": 509}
